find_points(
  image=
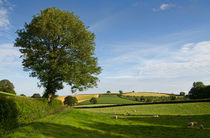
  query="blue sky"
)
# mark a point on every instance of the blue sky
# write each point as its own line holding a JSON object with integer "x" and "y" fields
{"x": 156, "y": 45}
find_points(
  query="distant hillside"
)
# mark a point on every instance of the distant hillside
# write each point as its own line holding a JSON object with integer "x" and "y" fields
{"x": 80, "y": 98}
{"x": 145, "y": 94}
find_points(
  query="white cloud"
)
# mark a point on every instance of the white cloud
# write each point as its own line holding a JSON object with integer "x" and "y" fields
{"x": 165, "y": 67}
{"x": 5, "y": 8}
{"x": 9, "y": 58}
{"x": 163, "y": 7}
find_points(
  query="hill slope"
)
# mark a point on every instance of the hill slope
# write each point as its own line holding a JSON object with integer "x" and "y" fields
{"x": 77, "y": 123}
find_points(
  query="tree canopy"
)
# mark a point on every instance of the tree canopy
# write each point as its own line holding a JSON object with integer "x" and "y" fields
{"x": 199, "y": 90}
{"x": 58, "y": 48}
{"x": 7, "y": 86}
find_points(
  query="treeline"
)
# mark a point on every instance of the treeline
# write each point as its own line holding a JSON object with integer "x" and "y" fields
{"x": 149, "y": 99}
{"x": 199, "y": 91}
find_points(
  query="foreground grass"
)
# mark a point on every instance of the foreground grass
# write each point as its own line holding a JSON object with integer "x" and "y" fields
{"x": 109, "y": 99}
{"x": 100, "y": 122}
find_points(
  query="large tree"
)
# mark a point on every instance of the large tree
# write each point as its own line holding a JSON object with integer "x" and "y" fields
{"x": 7, "y": 86}
{"x": 58, "y": 48}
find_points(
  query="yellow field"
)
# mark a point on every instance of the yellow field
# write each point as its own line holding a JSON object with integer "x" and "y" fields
{"x": 80, "y": 98}
{"x": 145, "y": 94}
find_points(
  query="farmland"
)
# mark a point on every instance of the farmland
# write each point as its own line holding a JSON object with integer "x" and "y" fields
{"x": 110, "y": 99}
{"x": 80, "y": 98}
{"x": 100, "y": 122}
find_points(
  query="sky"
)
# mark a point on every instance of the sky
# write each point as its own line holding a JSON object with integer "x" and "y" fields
{"x": 152, "y": 46}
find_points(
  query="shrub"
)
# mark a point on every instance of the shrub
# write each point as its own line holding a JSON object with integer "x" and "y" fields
{"x": 70, "y": 100}
{"x": 36, "y": 95}
{"x": 19, "y": 110}
{"x": 7, "y": 86}
{"x": 93, "y": 100}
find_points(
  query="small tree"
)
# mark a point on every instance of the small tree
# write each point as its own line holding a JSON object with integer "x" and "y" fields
{"x": 142, "y": 99}
{"x": 108, "y": 92}
{"x": 36, "y": 95}
{"x": 93, "y": 100}
{"x": 7, "y": 86}
{"x": 121, "y": 92}
{"x": 182, "y": 94}
{"x": 70, "y": 100}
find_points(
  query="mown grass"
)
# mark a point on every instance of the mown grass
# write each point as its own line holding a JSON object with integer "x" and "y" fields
{"x": 100, "y": 122}
{"x": 109, "y": 99}
{"x": 145, "y": 94}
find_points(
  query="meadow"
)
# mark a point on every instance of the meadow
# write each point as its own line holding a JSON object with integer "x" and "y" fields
{"x": 100, "y": 122}
{"x": 120, "y": 121}
{"x": 109, "y": 99}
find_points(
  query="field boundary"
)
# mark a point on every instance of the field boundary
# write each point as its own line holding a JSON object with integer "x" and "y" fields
{"x": 169, "y": 102}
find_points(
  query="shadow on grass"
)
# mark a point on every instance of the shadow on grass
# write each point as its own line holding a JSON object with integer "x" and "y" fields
{"x": 59, "y": 131}
{"x": 172, "y": 120}
{"x": 164, "y": 126}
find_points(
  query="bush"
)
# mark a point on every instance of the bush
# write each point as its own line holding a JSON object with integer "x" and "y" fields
{"x": 23, "y": 95}
{"x": 7, "y": 86}
{"x": 15, "y": 110}
{"x": 93, "y": 100}
{"x": 36, "y": 95}
{"x": 70, "y": 100}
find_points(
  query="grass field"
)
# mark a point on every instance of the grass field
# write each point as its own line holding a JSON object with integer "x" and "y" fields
{"x": 80, "y": 98}
{"x": 109, "y": 99}
{"x": 145, "y": 94}
{"x": 100, "y": 122}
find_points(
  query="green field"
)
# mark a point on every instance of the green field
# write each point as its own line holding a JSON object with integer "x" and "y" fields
{"x": 99, "y": 122}
{"x": 109, "y": 99}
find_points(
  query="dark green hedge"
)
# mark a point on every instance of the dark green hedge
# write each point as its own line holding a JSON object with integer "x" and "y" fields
{"x": 16, "y": 110}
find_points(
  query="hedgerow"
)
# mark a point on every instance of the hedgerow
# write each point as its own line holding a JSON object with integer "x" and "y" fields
{"x": 16, "y": 110}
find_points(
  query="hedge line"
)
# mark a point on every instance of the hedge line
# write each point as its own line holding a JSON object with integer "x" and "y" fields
{"x": 16, "y": 110}
{"x": 168, "y": 102}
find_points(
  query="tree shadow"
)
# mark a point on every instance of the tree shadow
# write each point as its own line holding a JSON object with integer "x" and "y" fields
{"x": 151, "y": 128}
{"x": 59, "y": 130}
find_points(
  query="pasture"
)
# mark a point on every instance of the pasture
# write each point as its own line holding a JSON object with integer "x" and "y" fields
{"x": 100, "y": 122}
{"x": 109, "y": 99}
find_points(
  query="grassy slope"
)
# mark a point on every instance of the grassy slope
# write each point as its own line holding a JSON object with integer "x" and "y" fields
{"x": 109, "y": 99}
{"x": 76, "y": 123}
{"x": 145, "y": 94}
